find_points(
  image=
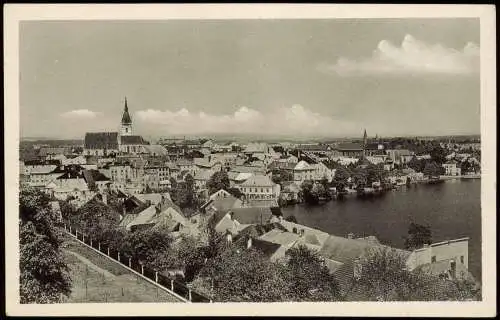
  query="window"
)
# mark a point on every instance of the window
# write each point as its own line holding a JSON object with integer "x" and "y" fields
{"x": 462, "y": 259}
{"x": 433, "y": 259}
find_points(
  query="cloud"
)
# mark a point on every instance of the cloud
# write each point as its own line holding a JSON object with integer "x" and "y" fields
{"x": 80, "y": 114}
{"x": 412, "y": 57}
{"x": 295, "y": 120}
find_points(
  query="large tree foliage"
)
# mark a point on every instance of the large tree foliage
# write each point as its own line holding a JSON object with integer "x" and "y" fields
{"x": 438, "y": 155}
{"x": 219, "y": 180}
{"x": 184, "y": 194}
{"x": 44, "y": 274}
{"x": 432, "y": 170}
{"x": 280, "y": 175}
{"x": 310, "y": 193}
{"x": 152, "y": 247}
{"x": 309, "y": 278}
{"x": 359, "y": 177}
{"x": 418, "y": 236}
{"x": 240, "y": 275}
{"x": 384, "y": 277}
{"x": 417, "y": 165}
{"x": 341, "y": 177}
{"x": 375, "y": 173}
{"x": 95, "y": 218}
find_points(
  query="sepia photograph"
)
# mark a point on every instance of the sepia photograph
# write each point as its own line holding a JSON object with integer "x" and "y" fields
{"x": 220, "y": 160}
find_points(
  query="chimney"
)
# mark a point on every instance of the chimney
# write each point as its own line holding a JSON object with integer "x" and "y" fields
{"x": 231, "y": 214}
{"x": 350, "y": 235}
{"x": 301, "y": 232}
{"x": 158, "y": 209}
{"x": 229, "y": 237}
{"x": 249, "y": 242}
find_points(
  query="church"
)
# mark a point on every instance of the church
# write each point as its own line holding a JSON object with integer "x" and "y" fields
{"x": 109, "y": 143}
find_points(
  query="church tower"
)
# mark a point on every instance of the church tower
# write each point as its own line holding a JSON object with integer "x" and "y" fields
{"x": 126, "y": 128}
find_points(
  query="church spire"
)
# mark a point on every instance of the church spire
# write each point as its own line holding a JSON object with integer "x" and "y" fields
{"x": 126, "y": 116}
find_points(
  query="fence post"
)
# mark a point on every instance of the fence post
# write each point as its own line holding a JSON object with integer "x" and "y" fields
{"x": 76, "y": 234}
{"x": 130, "y": 262}
{"x": 108, "y": 251}
{"x": 91, "y": 242}
{"x": 142, "y": 269}
{"x": 69, "y": 228}
{"x": 156, "y": 276}
{"x": 99, "y": 245}
{"x": 172, "y": 284}
{"x": 211, "y": 301}
{"x": 83, "y": 237}
{"x": 119, "y": 256}
{"x": 189, "y": 294}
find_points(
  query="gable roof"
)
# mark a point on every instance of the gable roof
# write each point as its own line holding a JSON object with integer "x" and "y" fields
{"x": 321, "y": 236}
{"x": 344, "y": 249}
{"x": 258, "y": 180}
{"x": 101, "y": 140}
{"x": 266, "y": 247}
{"x": 251, "y": 215}
{"x": 350, "y": 146}
{"x": 280, "y": 237}
{"x": 144, "y": 217}
{"x": 156, "y": 149}
{"x": 302, "y": 165}
{"x": 155, "y": 198}
{"x": 127, "y": 140}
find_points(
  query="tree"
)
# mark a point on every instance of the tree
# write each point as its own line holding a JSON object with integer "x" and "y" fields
{"x": 151, "y": 247}
{"x": 309, "y": 278}
{"x": 432, "y": 170}
{"x": 384, "y": 276}
{"x": 44, "y": 276}
{"x": 219, "y": 180}
{"x": 438, "y": 155}
{"x": 340, "y": 178}
{"x": 417, "y": 165}
{"x": 240, "y": 275}
{"x": 381, "y": 275}
{"x": 418, "y": 236}
{"x": 359, "y": 178}
{"x": 95, "y": 218}
{"x": 191, "y": 255}
{"x": 184, "y": 195}
{"x": 280, "y": 175}
{"x": 375, "y": 173}
{"x": 310, "y": 192}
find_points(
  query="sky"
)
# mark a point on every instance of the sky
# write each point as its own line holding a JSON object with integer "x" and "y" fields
{"x": 303, "y": 78}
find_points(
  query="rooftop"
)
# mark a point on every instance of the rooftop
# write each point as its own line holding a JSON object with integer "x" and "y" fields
{"x": 258, "y": 180}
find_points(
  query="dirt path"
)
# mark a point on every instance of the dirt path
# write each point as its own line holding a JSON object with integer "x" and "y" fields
{"x": 89, "y": 263}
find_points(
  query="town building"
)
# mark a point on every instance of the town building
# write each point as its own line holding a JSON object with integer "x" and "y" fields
{"x": 452, "y": 168}
{"x": 259, "y": 187}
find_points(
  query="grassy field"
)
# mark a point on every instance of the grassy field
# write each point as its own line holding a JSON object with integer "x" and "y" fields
{"x": 94, "y": 282}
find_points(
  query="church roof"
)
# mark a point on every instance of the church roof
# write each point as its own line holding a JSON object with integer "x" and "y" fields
{"x": 132, "y": 140}
{"x": 101, "y": 140}
{"x": 126, "y": 119}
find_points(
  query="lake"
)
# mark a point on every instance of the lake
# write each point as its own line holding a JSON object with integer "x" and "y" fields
{"x": 452, "y": 209}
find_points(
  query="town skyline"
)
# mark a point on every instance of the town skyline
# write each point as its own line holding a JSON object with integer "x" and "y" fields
{"x": 324, "y": 79}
